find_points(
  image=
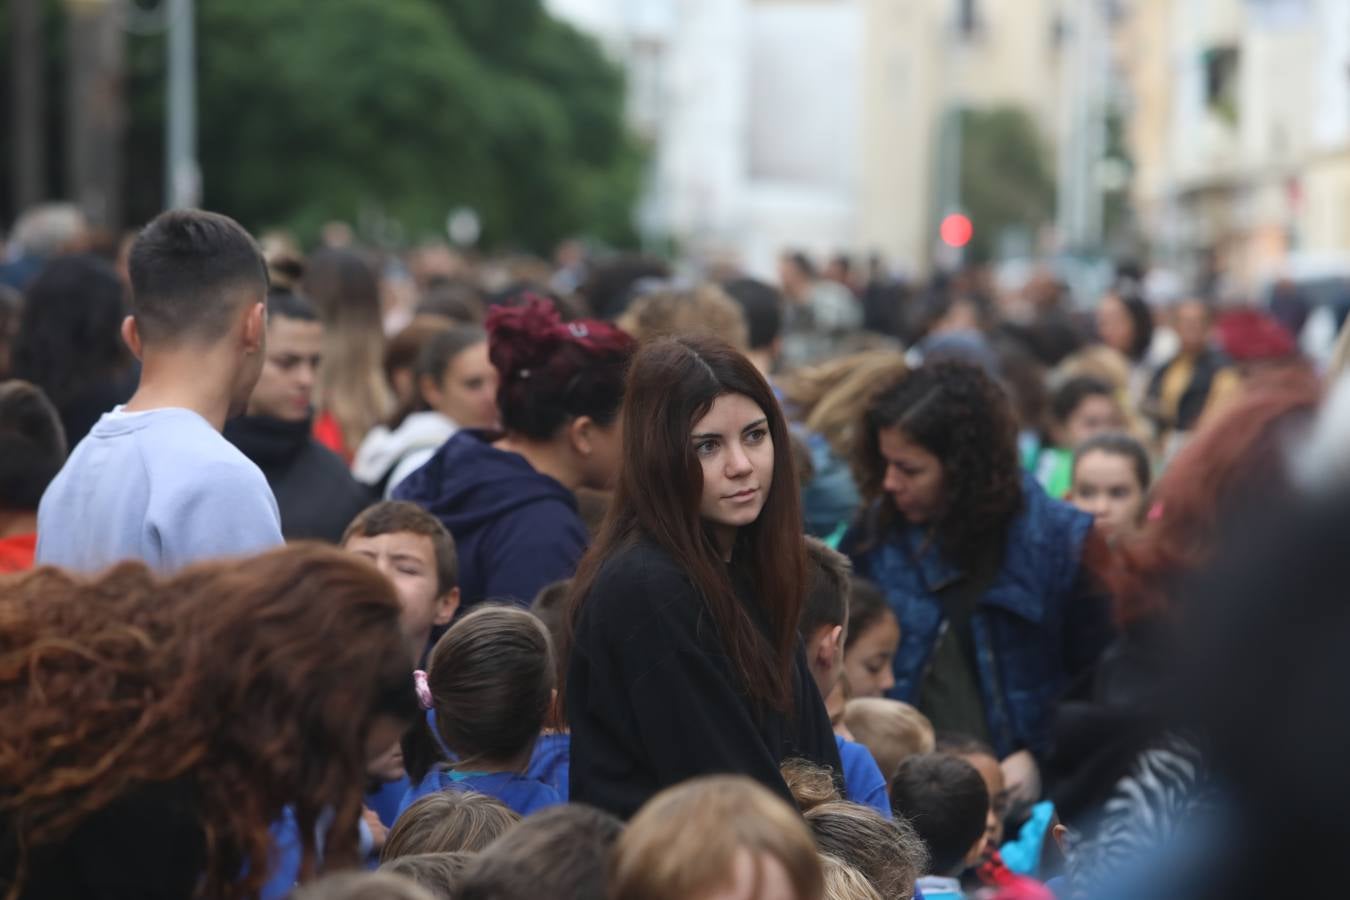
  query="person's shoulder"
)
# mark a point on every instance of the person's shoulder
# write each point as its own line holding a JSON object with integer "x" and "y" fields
{"x": 639, "y": 562}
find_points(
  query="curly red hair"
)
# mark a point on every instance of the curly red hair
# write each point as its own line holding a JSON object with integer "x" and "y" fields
{"x": 258, "y": 683}
{"x": 1237, "y": 453}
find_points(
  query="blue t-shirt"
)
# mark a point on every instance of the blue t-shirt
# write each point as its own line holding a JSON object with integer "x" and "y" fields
{"x": 863, "y": 782}
{"x": 520, "y": 792}
{"x": 162, "y": 486}
{"x": 551, "y": 760}
{"x": 385, "y": 800}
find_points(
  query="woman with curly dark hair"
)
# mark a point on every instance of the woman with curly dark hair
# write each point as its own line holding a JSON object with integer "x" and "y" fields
{"x": 155, "y": 729}
{"x": 982, "y": 569}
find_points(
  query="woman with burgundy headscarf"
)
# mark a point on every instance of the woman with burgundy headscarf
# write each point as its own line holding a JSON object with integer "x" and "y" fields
{"x": 507, "y": 498}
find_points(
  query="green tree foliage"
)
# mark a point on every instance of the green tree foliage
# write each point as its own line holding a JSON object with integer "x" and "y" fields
{"x": 315, "y": 111}
{"x": 1007, "y": 179}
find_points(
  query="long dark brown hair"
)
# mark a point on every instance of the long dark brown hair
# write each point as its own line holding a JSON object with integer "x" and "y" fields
{"x": 672, "y": 384}
{"x": 257, "y": 684}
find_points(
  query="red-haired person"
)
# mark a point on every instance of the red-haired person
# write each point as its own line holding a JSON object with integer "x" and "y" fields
{"x": 508, "y": 497}
{"x": 157, "y": 729}
{"x": 686, "y": 659}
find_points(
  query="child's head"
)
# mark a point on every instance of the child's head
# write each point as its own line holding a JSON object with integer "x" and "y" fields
{"x": 363, "y": 886}
{"x": 982, "y": 757}
{"x": 550, "y": 607}
{"x": 414, "y": 551}
{"x": 870, "y": 644}
{"x": 946, "y": 801}
{"x": 721, "y": 837}
{"x": 491, "y": 682}
{"x": 810, "y": 784}
{"x": 198, "y": 280}
{"x": 825, "y": 614}
{"x": 448, "y": 821}
{"x": 891, "y": 730}
{"x": 32, "y": 446}
{"x": 1084, "y": 407}
{"x": 1111, "y": 475}
{"x": 565, "y": 847}
{"x": 889, "y": 854}
{"x": 843, "y": 882}
{"x": 439, "y": 874}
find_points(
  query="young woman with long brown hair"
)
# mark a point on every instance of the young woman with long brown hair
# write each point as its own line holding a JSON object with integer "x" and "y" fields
{"x": 155, "y": 729}
{"x": 685, "y": 659}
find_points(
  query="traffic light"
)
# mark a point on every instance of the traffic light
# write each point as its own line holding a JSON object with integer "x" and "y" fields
{"x": 956, "y": 230}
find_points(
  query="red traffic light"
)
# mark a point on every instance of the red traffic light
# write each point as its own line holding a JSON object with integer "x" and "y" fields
{"x": 956, "y": 230}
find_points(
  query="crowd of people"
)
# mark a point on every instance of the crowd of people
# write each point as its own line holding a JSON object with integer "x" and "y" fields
{"x": 418, "y": 574}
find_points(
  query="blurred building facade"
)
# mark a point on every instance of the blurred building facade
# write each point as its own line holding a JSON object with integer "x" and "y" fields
{"x": 1239, "y": 130}
{"x": 818, "y": 125}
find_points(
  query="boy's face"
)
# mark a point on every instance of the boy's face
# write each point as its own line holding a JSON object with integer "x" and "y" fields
{"x": 409, "y": 561}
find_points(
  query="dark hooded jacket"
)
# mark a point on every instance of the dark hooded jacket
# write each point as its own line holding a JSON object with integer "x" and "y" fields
{"x": 516, "y": 530}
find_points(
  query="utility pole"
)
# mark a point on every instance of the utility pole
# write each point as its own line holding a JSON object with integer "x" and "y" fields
{"x": 183, "y": 180}
{"x": 96, "y": 110}
{"x": 27, "y": 103}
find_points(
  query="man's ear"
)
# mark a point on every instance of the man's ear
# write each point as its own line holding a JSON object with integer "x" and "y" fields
{"x": 255, "y": 328}
{"x": 132, "y": 335}
{"x": 447, "y": 606}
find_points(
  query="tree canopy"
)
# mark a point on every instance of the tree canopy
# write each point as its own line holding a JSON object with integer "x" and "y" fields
{"x": 309, "y": 112}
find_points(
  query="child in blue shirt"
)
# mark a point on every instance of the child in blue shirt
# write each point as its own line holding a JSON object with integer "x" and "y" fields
{"x": 823, "y": 624}
{"x": 491, "y": 685}
{"x": 553, "y": 752}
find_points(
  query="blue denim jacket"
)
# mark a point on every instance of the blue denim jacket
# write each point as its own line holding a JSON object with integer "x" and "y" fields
{"x": 1033, "y": 628}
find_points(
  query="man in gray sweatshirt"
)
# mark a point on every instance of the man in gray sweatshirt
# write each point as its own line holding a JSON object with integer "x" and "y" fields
{"x": 155, "y": 480}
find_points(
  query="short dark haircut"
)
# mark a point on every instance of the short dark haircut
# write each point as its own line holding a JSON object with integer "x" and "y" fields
{"x": 946, "y": 801}
{"x": 187, "y": 269}
{"x": 290, "y": 305}
{"x": 1118, "y": 443}
{"x": 762, "y": 306}
{"x": 440, "y": 874}
{"x": 1141, "y": 318}
{"x": 866, "y": 607}
{"x": 827, "y": 594}
{"x": 566, "y": 848}
{"x": 1071, "y": 394}
{"x": 394, "y": 516}
{"x": 32, "y": 445}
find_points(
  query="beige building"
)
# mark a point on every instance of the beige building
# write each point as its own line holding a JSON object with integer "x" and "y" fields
{"x": 1240, "y": 132}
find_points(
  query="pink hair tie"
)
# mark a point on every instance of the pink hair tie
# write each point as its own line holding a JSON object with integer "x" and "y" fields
{"x": 422, "y": 688}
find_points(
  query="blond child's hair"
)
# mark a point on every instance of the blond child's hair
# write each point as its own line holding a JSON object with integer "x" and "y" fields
{"x": 687, "y": 840}
{"x": 893, "y": 731}
{"x": 843, "y": 882}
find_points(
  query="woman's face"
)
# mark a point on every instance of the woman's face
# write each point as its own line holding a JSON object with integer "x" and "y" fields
{"x": 1105, "y": 485}
{"x": 914, "y": 478}
{"x": 468, "y": 390}
{"x": 867, "y": 663}
{"x": 734, "y": 448}
{"x": 1114, "y": 325}
{"x": 1096, "y": 414}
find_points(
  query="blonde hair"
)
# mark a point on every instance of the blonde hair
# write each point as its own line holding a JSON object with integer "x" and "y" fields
{"x": 889, "y": 854}
{"x": 830, "y": 398}
{"x": 810, "y": 784}
{"x": 703, "y": 310}
{"x": 843, "y": 882}
{"x": 447, "y": 821}
{"x": 685, "y": 841}
{"x": 892, "y": 731}
{"x": 352, "y": 385}
{"x": 363, "y": 886}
